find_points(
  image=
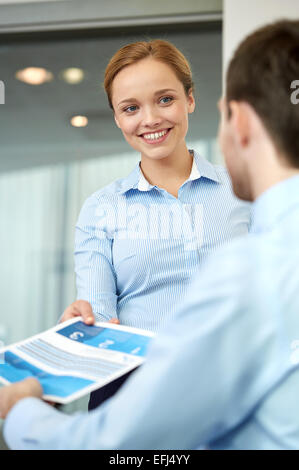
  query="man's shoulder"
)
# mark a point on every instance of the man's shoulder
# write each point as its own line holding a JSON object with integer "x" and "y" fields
{"x": 236, "y": 260}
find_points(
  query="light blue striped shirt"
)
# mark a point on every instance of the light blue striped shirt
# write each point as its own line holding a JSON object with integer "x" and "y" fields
{"x": 224, "y": 372}
{"x": 137, "y": 246}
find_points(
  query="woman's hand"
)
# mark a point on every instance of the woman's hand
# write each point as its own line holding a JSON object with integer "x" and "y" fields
{"x": 79, "y": 308}
{"x": 82, "y": 308}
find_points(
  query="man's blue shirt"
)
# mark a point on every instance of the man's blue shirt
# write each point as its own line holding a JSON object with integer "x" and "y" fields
{"x": 224, "y": 372}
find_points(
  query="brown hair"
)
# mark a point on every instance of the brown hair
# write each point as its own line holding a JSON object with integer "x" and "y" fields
{"x": 261, "y": 73}
{"x": 158, "y": 49}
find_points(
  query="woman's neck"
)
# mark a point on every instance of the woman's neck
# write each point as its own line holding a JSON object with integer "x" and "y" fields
{"x": 168, "y": 173}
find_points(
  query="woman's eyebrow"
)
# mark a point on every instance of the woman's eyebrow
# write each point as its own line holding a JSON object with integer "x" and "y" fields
{"x": 164, "y": 90}
{"x": 127, "y": 100}
{"x": 158, "y": 92}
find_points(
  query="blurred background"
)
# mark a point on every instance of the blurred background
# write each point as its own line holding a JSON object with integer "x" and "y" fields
{"x": 58, "y": 139}
{"x": 59, "y": 142}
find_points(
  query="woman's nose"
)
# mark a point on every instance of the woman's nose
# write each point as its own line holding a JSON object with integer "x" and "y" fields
{"x": 151, "y": 117}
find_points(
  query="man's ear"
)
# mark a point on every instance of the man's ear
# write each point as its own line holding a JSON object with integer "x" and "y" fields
{"x": 239, "y": 121}
{"x": 116, "y": 120}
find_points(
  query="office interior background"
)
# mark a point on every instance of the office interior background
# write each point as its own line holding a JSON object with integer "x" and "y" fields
{"x": 48, "y": 167}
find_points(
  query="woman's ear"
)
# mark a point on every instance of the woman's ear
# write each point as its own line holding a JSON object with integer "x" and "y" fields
{"x": 116, "y": 120}
{"x": 191, "y": 101}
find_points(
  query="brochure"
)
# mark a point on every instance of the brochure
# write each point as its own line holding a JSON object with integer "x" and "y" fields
{"x": 73, "y": 359}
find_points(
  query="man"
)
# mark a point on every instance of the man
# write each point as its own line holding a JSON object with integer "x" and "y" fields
{"x": 224, "y": 373}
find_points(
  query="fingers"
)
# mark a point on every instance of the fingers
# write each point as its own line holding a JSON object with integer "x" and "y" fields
{"x": 11, "y": 394}
{"x": 32, "y": 387}
{"x": 83, "y": 309}
{"x": 79, "y": 308}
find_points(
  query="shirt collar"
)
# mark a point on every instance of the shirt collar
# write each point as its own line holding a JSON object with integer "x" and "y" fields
{"x": 200, "y": 168}
{"x": 144, "y": 185}
{"x": 275, "y": 202}
{"x": 205, "y": 168}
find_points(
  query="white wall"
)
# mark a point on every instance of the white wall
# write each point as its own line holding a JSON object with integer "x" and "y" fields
{"x": 173, "y": 5}
{"x": 240, "y": 17}
{"x": 23, "y": 15}
{"x": 10, "y": 2}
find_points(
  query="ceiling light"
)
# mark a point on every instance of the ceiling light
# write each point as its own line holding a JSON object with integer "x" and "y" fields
{"x": 34, "y": 75}
{"x": 72, "y": 75}
{"x": 79, "y": 121}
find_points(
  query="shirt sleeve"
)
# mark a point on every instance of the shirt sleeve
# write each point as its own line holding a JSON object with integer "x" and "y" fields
{"x": 203, "y": 376}
{"x": 95, "y": 275}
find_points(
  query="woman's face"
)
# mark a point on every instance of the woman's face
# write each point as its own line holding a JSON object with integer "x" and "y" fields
{"x": 151, "y": 108}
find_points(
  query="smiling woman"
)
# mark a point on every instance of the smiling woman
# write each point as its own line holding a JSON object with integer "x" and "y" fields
{"x": 155, "y": 121}
{"x": 140, "y": 239}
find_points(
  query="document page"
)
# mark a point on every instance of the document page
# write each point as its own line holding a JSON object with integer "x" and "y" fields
{"x": 73, "y": 359}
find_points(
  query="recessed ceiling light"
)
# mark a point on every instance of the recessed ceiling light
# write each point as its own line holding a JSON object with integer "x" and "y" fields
{"x": 34, "y": 75}
{"x": 72, "y": 75}
{"x": 79, "y": 121}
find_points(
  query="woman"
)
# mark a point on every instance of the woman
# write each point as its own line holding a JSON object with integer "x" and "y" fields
{"x": 140, "y": 239}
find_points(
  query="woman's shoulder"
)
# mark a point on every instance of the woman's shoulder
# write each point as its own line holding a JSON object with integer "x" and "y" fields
{"x": 110, "y": 189}
{"x": 112, "y": 192}
{"x": 103, "y": 199}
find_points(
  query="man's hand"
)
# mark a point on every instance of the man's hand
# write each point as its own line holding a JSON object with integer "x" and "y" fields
{"x": 11, "y": 394}
{"x": 82, "y": 308}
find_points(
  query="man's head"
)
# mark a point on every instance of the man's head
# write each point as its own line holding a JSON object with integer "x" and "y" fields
{"x": 258, "y": 115}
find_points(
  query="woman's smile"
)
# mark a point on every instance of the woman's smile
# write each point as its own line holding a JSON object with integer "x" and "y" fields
{"x": 155, "y": 137}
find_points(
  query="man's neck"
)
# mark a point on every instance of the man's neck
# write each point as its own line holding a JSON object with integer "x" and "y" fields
{"x": 265, "y": 182}
{"x": 268, "y": 168}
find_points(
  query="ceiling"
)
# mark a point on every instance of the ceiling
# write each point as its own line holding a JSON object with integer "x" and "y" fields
{"x": 34, "y": 121}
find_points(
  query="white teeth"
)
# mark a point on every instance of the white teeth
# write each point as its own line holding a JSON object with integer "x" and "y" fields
{"x": 154, "y": 136}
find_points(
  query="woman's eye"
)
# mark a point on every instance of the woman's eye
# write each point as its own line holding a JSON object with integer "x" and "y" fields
{"x": 166, "y": 99}
{"x": 130, "y": 109}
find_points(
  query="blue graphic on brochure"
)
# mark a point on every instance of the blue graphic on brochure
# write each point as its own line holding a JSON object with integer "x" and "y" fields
{"x": 15, "y": 369}
{"x": 107, "y": 338}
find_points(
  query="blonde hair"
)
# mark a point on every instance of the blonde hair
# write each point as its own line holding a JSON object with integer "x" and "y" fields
{"x": 158, "y": 49}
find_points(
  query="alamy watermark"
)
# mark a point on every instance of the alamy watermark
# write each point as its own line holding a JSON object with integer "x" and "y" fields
{"x": 2, "y": 92}
{"x": 120, "y": 220}
{"x": 295, "y": 93}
